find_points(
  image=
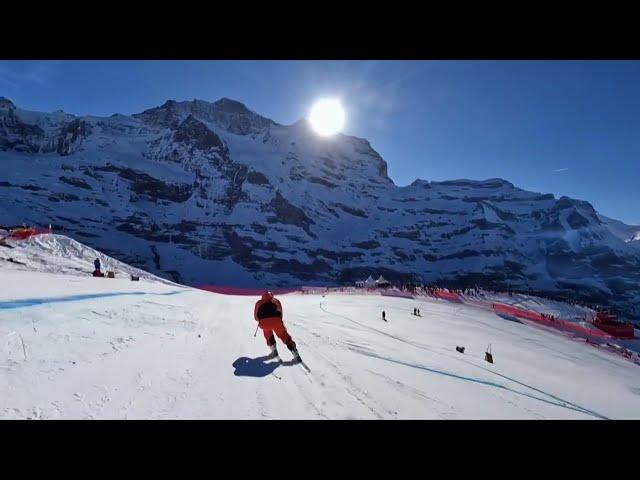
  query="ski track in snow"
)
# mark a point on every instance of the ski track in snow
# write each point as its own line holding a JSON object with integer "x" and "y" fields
{"x": 558, "y": 401}
{"x": 118, "y": 349}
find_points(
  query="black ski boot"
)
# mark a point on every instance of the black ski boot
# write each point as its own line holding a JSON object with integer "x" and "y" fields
{"x": 296, "y": 355}
{"x": 274, "y": 352}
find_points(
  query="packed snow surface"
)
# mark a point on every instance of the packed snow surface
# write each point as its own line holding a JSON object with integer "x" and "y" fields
{"x": 76, "y": 347}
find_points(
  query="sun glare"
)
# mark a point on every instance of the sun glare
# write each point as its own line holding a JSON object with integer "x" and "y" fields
{"x": 327, "y": 117}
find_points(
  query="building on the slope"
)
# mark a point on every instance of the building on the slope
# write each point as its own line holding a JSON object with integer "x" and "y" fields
{"x": 382, "y": 282}
{"x": 370, "y": 282}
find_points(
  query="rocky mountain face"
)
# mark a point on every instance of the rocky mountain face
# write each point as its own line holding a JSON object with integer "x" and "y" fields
{"x": 204, "y": 192}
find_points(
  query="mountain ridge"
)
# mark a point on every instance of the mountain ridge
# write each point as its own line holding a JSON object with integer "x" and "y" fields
{"x": 212, "y": 192}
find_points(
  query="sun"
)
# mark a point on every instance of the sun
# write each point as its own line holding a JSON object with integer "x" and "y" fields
{"x": 327, "y": 117}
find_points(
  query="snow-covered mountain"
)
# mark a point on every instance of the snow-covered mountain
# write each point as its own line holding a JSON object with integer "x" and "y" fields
{"x": 203, "y": 192}
{"x": 627, "y": 233}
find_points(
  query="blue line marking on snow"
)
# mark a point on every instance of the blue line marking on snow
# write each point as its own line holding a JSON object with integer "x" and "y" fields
{"x": 35, "y": 302}
{"x": 561, "y": 402}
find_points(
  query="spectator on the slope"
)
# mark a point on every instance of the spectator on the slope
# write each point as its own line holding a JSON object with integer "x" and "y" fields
{"x": 384, "y": 316}
{"x": 96, "y": 264}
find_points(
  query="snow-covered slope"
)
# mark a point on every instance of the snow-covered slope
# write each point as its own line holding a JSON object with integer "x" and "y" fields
{"x": 60, "y": 254}
{"x": 627, "y": 233}
{"x": 82, "y": 347}
{"x": 205, "y": 192}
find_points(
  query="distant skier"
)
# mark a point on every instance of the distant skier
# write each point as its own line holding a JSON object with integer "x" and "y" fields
{"x": 268, "y": 314}
{"x": 415, "y": 311}
{"x": 384, "y": 316}
{"x": 418, "y": 312}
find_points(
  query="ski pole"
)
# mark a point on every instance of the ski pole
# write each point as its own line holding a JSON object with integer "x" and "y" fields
{"x": 254, "y": 334}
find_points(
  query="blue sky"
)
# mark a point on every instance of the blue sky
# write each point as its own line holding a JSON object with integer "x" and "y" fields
{"x": 563, "y": 127}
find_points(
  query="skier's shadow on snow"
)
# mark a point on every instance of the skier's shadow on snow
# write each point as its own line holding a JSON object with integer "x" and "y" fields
{"x": 257, "y": 367}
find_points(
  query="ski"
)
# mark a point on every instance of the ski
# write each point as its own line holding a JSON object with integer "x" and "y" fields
{"x": 299, "y": 360}
{"x": 275, "y": 355}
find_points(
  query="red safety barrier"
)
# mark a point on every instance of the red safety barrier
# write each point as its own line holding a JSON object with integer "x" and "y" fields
{"x": 395, "y": 293}
{"x": 517, "y": 312}
{"x": 621, "y": 330}
{"x": 452, "y": 297}
{"x": 24, "y": 233}
{"x": 607, "y": 322}
{"x": 554, "y": 323}
{"x": 255, "y": 292}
